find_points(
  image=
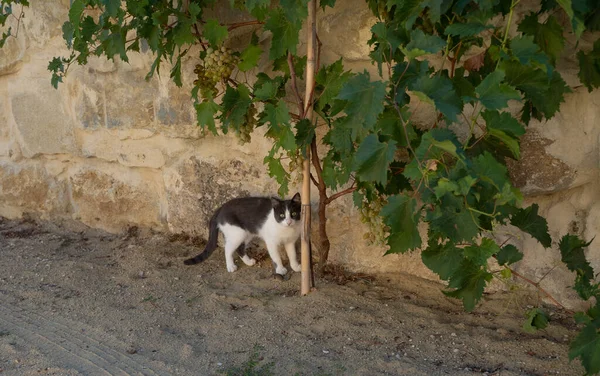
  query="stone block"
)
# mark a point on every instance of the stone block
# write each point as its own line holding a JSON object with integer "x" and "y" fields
{"x": 537, "y": 171}
{"x": 333, "y": 29}
{"x": 196, "y": 187}
{"x": 28, "y": 187}
{"x": 114, "y": 100}
{"x": 42, "y": 122}
{"x": 126, "y": 148}
{"x": 562, "y": 152}
{"x": 114, "y": 198}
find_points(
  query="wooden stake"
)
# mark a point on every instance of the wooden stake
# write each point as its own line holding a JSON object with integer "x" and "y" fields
{"x": 305, "y": 258}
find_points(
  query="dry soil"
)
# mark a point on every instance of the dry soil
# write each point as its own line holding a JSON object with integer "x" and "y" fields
{"x": 83, "y": 302}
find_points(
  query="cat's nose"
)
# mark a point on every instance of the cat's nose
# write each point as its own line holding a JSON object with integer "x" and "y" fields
{"x": 288, "y": 222}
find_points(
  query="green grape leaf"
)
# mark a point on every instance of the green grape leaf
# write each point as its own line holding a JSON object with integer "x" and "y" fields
{"x": 445, "y": 186}
{"x": 586, "y": 346}
{"x": 326, "y": 3}
{"x": 305, "y": 132}
{"x": 443, "y": 259}
{"x": 576, "y": 22}
{"x": 422, "y": 44}
{"x": 536, "y": 319}
{"x": 332, "y": 78}
{"x": 545, "y": 94}
{"x": 503, "y": 122}
{"x": 214, "y": 32}
{"x": 399, "y": 214}
{"x": 467, "y": 29}
{"x": 510, "y": 142}
{"x": 277, "y": 171}
{"x": 479, "y": 254}
{"x": 111, "y": 6}
{"x": 529, "y": 221}
{"x": 234, "y": 107}
{"x": 75, "y": 11}
{"x": 525, "y": 50}
{"x": 285, "y": 34}
{"x": 339, "y": 137}
{"x": 456, "y": 225}
{"x": 206, "y": 112}
{"x": 266, "y": 88}
{"x": 249, "y": 58}
{"x": 278, "y": 118}
{"x": 373, "y": 158}
{"x": 389, "y": 123}
{"x": 365, "y": 101}
{"x": 489, "y": 169}
{"x": 176, "y": 72}
{"x": 494, "y": 94}
{"x": 509, "y": 254}
{"x": 549, "y": 35}
{"x": 295, "y": 10}
{"x": 572, "y": 254}
{"x": 468, "y": 283}
{"x": 589, "y": 67}
{"x": 439, "y": 91}
{"x": 406, "y": 10}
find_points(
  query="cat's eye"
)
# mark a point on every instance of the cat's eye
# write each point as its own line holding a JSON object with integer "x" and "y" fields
{"x": 294, "y": 214}
{"x": 281, "y": 215}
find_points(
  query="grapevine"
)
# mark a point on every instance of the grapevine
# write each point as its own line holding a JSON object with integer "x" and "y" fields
{"x": 295, "y": 166}
{"x": 370, "y": 214}
{"x": 459, "y": 186}
{"x": 217, "y": 66}
{"x": 248, "y": 125}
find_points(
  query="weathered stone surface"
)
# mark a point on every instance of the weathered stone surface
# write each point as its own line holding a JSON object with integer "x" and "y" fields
{"x": 563, "y": 152}
{"x": 537, "y": 171}
{"x": 130, "y": 147}
{"x": 30, "y": 187}
{"x": 114, "y": 100}
{"x": 42, "y": 122}
{"x": 333, "y": 31}
{"x": 114, "y": 198}
{"x": 11, "y": 55}
{"x": 44, "y": 19}
{"x": 197, "y": 186}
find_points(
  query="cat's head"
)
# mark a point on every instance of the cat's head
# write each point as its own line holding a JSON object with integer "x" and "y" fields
{"x": 287, "y": 212}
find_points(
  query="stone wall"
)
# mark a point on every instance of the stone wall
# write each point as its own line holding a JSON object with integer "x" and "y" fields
{"x": 111, "y": 150}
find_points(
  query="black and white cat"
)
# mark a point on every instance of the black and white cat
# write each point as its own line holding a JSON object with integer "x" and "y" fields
{"x": 240, "y": 220}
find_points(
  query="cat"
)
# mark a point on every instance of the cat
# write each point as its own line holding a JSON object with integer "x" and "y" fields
{"x": 275, "y": 221}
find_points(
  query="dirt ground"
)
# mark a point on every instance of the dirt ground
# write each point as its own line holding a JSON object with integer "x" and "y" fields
{"x": 84, "y": 302}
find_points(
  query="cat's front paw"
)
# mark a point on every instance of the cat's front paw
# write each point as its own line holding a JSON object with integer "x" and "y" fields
{"x": 281, "y": 270}
{"x": 296, "y": 267}
{"x": 231, "y": 268}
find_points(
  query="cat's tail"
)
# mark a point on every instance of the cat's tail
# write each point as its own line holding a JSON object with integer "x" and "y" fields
{"x": 211, "y": 245}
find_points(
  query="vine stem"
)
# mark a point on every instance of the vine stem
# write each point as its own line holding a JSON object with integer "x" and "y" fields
{"x": 242, "y": 24}
{"x": 510, "y": 16}
{"x": 537, "y": 285}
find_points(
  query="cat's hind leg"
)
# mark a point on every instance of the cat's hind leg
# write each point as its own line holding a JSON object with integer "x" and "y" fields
{"x": 241, "y": 250}
{"x": 290, "y": 249}
{"x": 234, "y": 238}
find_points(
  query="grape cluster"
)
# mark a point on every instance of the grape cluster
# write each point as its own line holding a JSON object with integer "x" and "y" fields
{"x": 370, "y": 215}
{"x": 217, "y": 66}
{"x": 295, "y": 166}
{"x": 250, "y": 122}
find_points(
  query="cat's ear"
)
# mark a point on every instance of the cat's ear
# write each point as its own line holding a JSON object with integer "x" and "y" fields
{"x": 274, "y": 202}
{"x": 296, "y": 198}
